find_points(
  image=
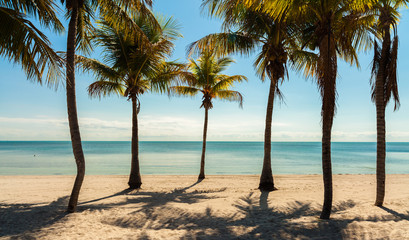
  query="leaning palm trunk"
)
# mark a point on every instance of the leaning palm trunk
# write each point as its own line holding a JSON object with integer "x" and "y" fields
{"x": 72, "y": 112}
{"x": 327, "y": 80}
{"x": 202, "y": 160}
{"x": 380, "y": 121}
{"x": 135, "y": 176}
{"x": 266, "y": 179}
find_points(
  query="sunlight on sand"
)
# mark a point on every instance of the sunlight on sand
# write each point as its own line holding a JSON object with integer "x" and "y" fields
{"x": 219, "y": 207}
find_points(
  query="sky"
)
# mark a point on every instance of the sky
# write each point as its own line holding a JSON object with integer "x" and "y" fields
{"x": 31, "y": 112}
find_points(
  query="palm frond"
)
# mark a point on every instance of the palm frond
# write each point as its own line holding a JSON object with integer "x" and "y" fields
{"x": 85, "y": 29}
{"x": 167, "y": 74}
{"x": 101, "y": 71}
{"x": 170, "y": 27}
{"x": 104, "y": 88}
{"x": 21, "y": 42}
{"x": 230, "y": 95}
{"x": 224, "y": 44}
{"x": 187, "y": 78}
{"x": 375, "y": 69}
{"x": 119, "y": 18}
{"x": 226, "y": 82}
{"x": 134, "y": 7}
{"x": 183, "y": 91}
{"x": 223, "y": 63}
{"x": 392, "y": 81}
{"x": 43, "y": 10}
{"x": 304, "y": 60}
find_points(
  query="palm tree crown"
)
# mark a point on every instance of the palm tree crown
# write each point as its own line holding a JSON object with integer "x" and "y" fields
{"x": 133, "y": 68}
{"x": 206, "y": 78}
{"x": 387, "y": 20}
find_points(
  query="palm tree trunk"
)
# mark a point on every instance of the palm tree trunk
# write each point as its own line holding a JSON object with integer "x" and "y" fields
{"x": 328, "y": 75}
{"x": 326, "y": 166}
{"x": 380, "y": 121}
{"x": 266, "y": 178}
{"x": 202, "y": 160}
{"x": 380, "y": 146}
{"x": 72, "y": 111}
{"x": 135, "y": 176}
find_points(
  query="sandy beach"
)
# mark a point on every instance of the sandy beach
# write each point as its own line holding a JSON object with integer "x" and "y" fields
{"x": 220, "y": 207}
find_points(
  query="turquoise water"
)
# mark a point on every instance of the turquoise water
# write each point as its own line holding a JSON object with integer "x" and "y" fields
{"x": 103, "y": 158}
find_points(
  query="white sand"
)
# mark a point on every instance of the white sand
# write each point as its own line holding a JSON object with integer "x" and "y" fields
{"x": 220, "y": 207}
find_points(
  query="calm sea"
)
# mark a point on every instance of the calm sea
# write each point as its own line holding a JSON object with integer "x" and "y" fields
{"x": 103, "y": 158}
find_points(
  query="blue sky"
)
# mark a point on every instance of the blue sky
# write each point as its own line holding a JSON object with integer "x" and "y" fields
{"x": 29, "y": 111}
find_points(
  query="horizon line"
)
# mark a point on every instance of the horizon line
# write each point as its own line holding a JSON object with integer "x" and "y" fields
{"x": 197, "y": 141}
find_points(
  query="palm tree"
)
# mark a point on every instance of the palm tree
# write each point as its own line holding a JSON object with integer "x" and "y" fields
{"x": 206, "y": 78}
{"x": 333, "y": 28}
{"x": 136, "y": 66}
{"x": 80, "y": 28}
{"x": 384, "y": 81}
{"x": 23, "y": 43}
{"x": 255, "y": 31}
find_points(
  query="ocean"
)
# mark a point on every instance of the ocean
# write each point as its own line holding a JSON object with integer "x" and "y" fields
{"x": 183, "y": 158}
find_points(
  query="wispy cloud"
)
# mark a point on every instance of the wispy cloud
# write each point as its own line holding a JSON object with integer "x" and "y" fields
{"x": 157, "y": 128}
{"x": 95, "y": 123}
{"x": 42, "y": 120}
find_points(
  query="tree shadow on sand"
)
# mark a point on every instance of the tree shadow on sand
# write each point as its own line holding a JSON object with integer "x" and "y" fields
{"x": 150, "y": 199}
{"x": 18, "y": 218}
{"x": 123, "y": 192}
{"x": 396, "y": 214}
{"x": 25, "y": 220}
{"x": 254, "y": 219}
{"x": 129, "y": 191}
{"x": 255, "y": 216}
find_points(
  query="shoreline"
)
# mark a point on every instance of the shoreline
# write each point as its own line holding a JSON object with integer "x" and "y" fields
{"x": 219, "y": 207}
{"x": 207, "y": 175}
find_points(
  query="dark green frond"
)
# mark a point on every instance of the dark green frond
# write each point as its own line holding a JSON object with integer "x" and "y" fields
{"x": 224, "y": 44}
{"x": 85, "y": 29}
{"x": 105, "y": 88}
{"x": 392, "y": 81}
{"x": 304, "y": 61}
{"x": 98, "y": 69}
{"x": 21, "y": 42}
{"x": 43, "y": 10}
{"x": 375, "y": 68}
{"x": 166, "y": 74}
